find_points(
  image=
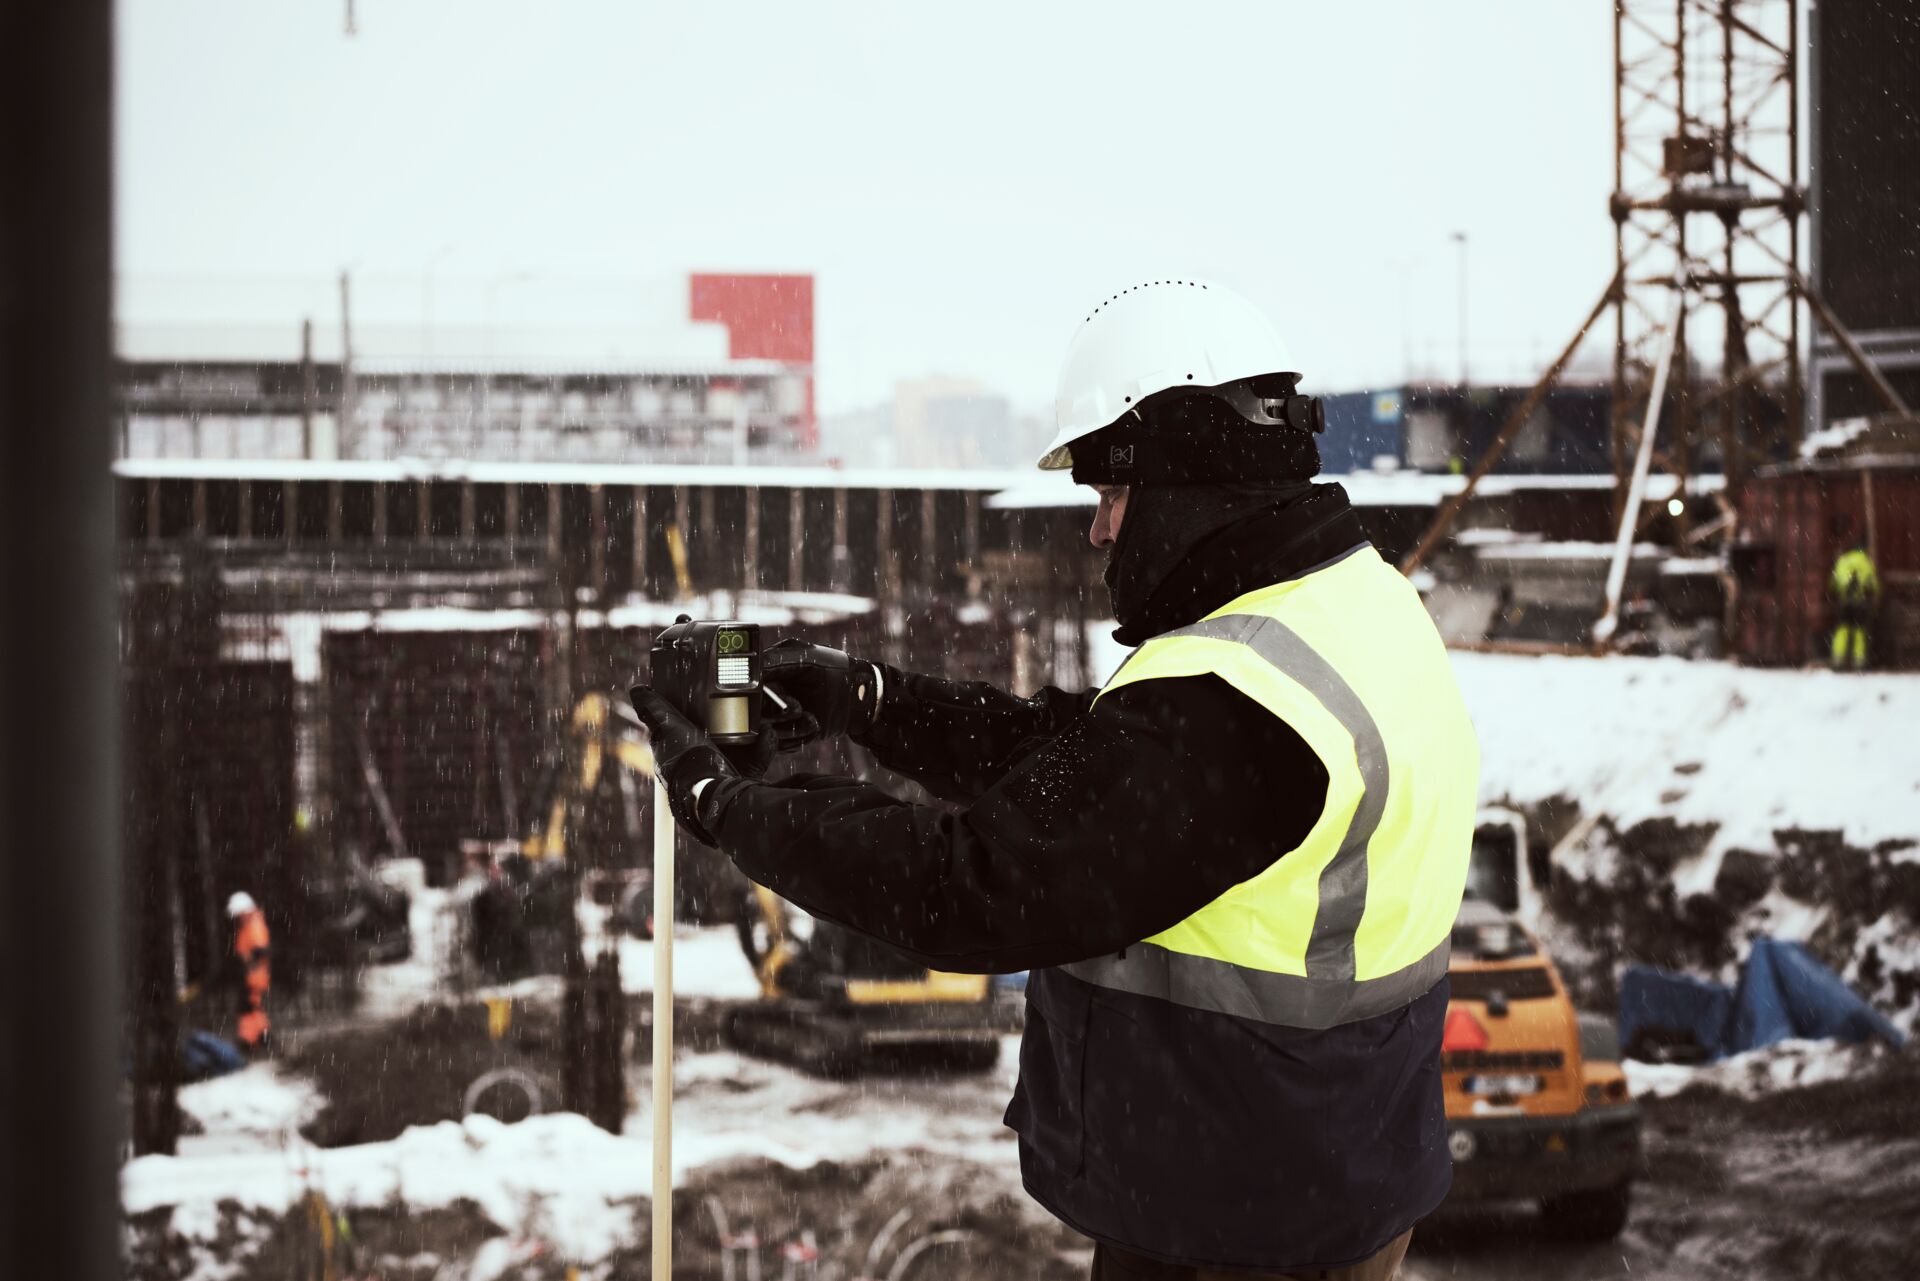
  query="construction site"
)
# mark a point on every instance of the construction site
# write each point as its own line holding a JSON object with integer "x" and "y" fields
{"x": 377, "y": 613}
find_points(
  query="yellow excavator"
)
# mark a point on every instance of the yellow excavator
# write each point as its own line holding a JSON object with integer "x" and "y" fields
{"x": 831, "y": 1001}
{"x": 592, "y": 737}
{"x": 835, "y": 1002}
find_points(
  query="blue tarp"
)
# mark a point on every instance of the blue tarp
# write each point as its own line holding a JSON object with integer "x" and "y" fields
{"x": 1673, "y": 1004}
{"x": 1783, "y": 992}
{"x": 204, "y": 1055}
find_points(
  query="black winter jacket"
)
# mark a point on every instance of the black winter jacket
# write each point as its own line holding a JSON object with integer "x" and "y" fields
{"x": 1087, "y": 828}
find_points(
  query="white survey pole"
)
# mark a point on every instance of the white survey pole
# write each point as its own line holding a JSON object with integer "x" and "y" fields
{"x": 1636, "y": 490}
{"x": 664, "y": 835}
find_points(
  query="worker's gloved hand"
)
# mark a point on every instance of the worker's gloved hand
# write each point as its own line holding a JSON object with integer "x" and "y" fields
{"x": 684, "y": 757}
{"x": 836, "y": 693}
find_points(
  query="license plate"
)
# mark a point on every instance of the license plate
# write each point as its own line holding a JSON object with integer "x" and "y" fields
{"x": 1502, "y": 1083}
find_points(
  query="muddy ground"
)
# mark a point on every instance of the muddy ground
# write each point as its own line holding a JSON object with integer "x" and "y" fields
{"x": 1815, "y": 1181}
{"x": 1821, "y": 1181}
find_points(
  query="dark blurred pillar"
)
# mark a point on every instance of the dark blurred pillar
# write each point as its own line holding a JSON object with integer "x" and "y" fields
{"x": 60, "y": 1056}
{"x": 608, "y": 1106}
{"x": 155, "y": 791}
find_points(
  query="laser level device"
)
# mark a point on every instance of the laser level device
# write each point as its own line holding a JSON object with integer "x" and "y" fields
{"x": 711, "y": 672}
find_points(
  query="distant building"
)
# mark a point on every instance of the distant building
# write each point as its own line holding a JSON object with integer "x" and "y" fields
{"x": 754, "y": 402}
{"x": 951, "y": 422}
{"x": 1444, "y": 429}
{"x": 938, "y": 422}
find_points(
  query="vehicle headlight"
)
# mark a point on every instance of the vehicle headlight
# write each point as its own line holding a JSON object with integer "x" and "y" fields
{"x": 1614, "y": 1091}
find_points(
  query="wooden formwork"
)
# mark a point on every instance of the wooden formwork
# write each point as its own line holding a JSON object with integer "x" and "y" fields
{"x": 457, "y": 730}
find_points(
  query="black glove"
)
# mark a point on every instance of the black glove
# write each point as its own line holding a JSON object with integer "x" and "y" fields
{"x": 838, "y": 694}
{"x": 683, "y": 755}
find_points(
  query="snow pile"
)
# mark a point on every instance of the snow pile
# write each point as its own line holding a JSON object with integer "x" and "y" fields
{"x": 557, "y": 1179}
{"x": 1750, "y": 751}
{"x": 728, "y": 1105}
{"x": 558, "y": 1176}
{"x": 391, "y": 990}
{"x": 1784, "y": 1065}
{"x": 1834, "y": 437}
{"x": 1886, "y": 948}
{"x": 707, "y": 962}
{"x": 1691, "y": 806}
{"x": 253, "y": 1109}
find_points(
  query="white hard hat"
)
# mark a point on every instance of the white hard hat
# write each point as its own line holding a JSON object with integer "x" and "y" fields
{"x": 241, "y": 903}
{"x": 1152, "y": 336}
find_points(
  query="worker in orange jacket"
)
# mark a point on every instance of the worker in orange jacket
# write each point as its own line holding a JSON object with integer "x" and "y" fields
{"x": 250, "y": 963}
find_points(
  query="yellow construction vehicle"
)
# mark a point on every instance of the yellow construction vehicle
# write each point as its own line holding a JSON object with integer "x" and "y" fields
{"x": 594, "y": 734}
{"x": 519, "y": 922}
{"x": 1537, "y": 1105}
{"x": 830, "y": 1001}
{"x": 835, "y": 1002}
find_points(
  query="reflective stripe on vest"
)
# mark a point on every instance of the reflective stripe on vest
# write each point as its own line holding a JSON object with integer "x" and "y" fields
{"x": 1233, "y": 955}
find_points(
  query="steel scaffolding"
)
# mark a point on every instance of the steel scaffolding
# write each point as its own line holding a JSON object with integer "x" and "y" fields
{"x": 1707, "y": 202}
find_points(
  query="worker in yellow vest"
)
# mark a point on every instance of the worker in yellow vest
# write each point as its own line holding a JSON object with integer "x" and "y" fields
{"x": 1232, "y": 871}
{"x": 1854, "y": 587}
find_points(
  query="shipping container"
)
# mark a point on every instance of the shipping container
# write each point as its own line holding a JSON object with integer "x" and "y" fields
{"x": 1794, "y": 522}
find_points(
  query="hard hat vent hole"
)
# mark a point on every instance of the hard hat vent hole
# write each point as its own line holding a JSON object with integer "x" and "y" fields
{"x": 1191, "y": 284}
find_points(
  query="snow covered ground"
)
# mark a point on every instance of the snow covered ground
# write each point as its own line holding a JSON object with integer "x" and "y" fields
{"x": 1807, "y": 778}
{"x": 1782, "y": 1066}
{"x": 708, "y": 961}
{"x": 1750, "y": 750}
{"x": 253, "y": 1110}
{"x": 389, "y": 991}
{"x": 558, "y": 1179}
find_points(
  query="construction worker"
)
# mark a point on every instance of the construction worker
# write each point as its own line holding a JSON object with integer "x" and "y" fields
{"x": 1233, "y": 871}
{"x": 253, "y": 978}
{"x": 1854, "y": 587}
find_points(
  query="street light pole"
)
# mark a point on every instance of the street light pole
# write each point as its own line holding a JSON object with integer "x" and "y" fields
{"x": 1460, "y": 238}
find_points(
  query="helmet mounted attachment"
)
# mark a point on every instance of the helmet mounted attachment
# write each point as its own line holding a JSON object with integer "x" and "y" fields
{"x": 1251, "y": 430}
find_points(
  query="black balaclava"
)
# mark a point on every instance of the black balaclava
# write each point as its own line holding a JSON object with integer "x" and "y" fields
{"x": 1196, "y": 461}
{"x": 1163, "y": 524}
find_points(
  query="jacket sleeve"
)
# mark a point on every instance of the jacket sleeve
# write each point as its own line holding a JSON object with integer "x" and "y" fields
{"x": 1135, "y": 815}
{"x": 957, "y": 738}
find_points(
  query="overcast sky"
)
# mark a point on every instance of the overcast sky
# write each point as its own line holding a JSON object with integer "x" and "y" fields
{"x": 963, "y": 180}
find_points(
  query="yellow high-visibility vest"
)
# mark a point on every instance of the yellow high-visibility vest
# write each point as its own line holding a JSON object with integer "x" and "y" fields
{"x": 1854, "y": 580}
{"x": 1356, "y": 920}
